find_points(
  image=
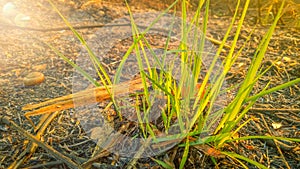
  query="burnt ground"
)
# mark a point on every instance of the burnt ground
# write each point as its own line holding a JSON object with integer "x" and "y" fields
{"x": 24, "y": 51}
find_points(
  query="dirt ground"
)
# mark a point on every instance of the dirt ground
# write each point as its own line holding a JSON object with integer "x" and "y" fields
{"x": 24, "y": 51}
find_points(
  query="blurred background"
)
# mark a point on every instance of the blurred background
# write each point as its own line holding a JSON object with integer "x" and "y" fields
{"x": 261, "y": 11}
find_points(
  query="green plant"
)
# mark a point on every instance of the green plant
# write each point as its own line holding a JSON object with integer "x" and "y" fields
{"x": 193, "y": 126}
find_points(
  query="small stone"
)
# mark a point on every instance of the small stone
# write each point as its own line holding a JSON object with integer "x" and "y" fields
{"x": 33, "y": 78}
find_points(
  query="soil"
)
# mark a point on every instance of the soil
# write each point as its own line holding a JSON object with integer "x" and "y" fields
{"x": 24, "y": 51}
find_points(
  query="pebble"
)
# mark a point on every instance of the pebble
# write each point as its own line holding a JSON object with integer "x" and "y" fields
{"x": 33, "y": 78}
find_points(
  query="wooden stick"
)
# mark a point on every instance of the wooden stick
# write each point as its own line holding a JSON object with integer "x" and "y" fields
{"x": 84, "y": 97}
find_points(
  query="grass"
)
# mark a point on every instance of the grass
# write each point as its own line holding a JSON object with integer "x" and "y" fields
{"x": 200, "y": 105}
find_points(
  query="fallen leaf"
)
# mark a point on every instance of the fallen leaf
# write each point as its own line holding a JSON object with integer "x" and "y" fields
{"x": 276, "y": 125}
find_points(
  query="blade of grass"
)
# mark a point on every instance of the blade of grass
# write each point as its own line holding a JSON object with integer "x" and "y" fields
{"x": 237, "y": 156}
{"x": 75, "y": 66}
{"x": 263, "y": 137}
{"x": 185, "y": 154}
{"x": 198, "y": 59}
{"x": 105, "y": 80}
{"x": 125, "y": 57}
{"x": 163, "y": 164}
{"x": 279, "y": 87}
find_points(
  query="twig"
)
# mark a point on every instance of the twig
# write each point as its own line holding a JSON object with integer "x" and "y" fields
{"x": 271, "y": 112}
{"x": 274, "y": 109}
{"x": 275, "y": 142}
{"x": 214, "y": 41}
{"x": 46, "y": 165}
{"x": 30, "y": 150}
{"x": 85, "y": 97}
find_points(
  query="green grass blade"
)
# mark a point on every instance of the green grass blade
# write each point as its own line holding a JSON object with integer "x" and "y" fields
{"x": 264, "y": 137}
{"x": 125, "y": 57}
{"x": 185, "y": 154}
{"x": 237, "y": 156}
{"x": 85, "y": 74}
{"x": 102, "y": 74}
{"x": 163, "y": 164}
{"x": 279, "y": 87}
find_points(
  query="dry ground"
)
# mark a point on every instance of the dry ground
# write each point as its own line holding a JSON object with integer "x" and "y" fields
{"x": 24, "y": 51}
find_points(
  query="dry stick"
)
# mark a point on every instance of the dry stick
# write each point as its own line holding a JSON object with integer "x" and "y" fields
{"x": 271, "y": 111}
{"x": 275, "y": 142}
{"x": 274, "y": 109}
{"x": 30, "y": 150}
{"x": 85, "y": 97}
{"x": 46, "y": 165}
{"x": 41, "y": 123}
{"x": 103, "y": 153}
{"x": 26, "y": 154}
{"x": 10, "y": 26}
{"x": 214, "y": 41}
{"x": 49, "y": 149}
{"x": 42, "y": 129}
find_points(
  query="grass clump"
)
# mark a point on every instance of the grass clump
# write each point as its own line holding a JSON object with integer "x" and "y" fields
{"x": 190, "y": 112}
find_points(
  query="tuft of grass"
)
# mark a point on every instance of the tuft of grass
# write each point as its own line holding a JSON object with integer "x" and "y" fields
{"x": 193, "y": 122}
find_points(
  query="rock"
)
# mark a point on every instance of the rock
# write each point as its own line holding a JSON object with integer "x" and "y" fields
{"x": 33, "y": 78}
